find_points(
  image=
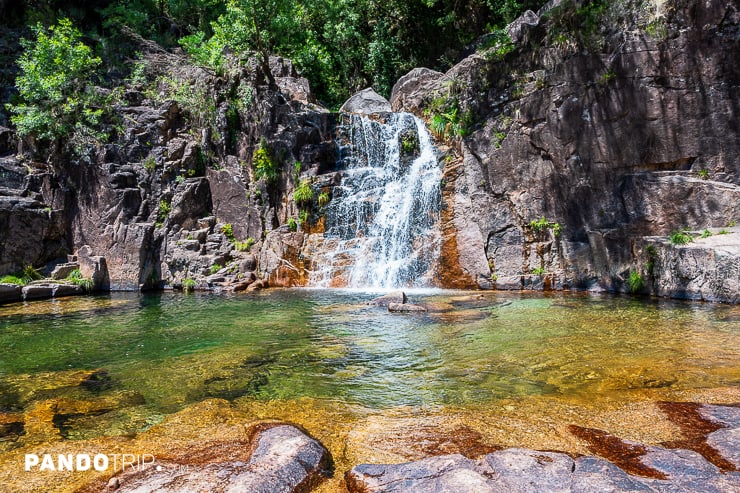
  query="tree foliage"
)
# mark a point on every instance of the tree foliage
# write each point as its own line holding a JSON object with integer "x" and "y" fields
{"x": 57, "y": 99}
{"x": 341, "y": 46}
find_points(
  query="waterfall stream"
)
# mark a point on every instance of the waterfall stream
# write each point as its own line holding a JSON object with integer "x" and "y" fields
{"x": 382, "y": 225}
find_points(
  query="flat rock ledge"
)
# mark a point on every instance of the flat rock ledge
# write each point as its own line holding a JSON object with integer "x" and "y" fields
{"x": 641, "y": 467}
{"x": 284, "y": 460}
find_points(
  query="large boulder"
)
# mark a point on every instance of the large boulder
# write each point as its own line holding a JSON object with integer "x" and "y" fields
{"x": 366, "y": 102}
{"x": 408, "y": 86}
{"x": 284, "y": 460}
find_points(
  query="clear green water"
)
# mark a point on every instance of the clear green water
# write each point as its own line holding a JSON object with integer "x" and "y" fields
{"x": 283, "y": 344}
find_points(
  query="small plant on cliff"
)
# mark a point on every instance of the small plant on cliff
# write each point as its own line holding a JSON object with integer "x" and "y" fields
{"x": 323, "y": 199}
{"x": 264, "y": 166}
{"x": 681, "y": 237}
{"x": 292, "y": 224}
{"x": 215, "y": 268}
{"x": 228, "y": 231}
{"x": 150, "y": 164}
{"x": 538, "y": 271}
{"x": 188, "y": 285}
{"x": 540, "y": 225}
{"x": 303, "y": 193}
{"x": 607, "y": 77}
{"x": 244, "y": 246}
{"x": 303, "y": 217}
{"x": 706, "y": 234}
{"x": 703, "y": 174}
{"x": 635, "y": 282}
{"x": 162, "y": 212}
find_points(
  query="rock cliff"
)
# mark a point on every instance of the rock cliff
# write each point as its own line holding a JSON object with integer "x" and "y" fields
{"x": 572, "y": 147}
{"x": 601, "y": 124}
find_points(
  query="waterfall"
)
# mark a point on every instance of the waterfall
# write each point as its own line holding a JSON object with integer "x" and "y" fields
{"x": 382, "y": 224}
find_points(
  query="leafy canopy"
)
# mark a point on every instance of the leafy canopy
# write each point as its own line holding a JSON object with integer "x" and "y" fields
{"x": 53, "y": 84}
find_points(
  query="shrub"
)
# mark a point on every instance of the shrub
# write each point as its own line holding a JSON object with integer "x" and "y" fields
{"x": 163, "y": 211}
{"x": 303, "y": 217}
{"x": 292, "y": 224}
{"x": 323, "y": 199}
{"x": 53, "y": 84}
{"x": 706, "y": 234}
{"x": 85, "y": 283}
{"x": 538, "y": 271}
{"x": 188, "y": 285}
{"x": 680, "y": 238}
{"x": 635, "y": 282}
{"x": 228, "y": 231}
{"x": 540, "y": 225}
{"x": 703, "y": 174}
{"x": 215, "y": 268}
{"x": 303, "y": 193}
{"x": 264, "y": 166}
{"x": 12, "y": 279}
{"x": 244, "y": 246}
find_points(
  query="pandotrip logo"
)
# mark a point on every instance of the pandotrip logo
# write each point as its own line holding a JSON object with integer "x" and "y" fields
{"x": 88, "y": 462}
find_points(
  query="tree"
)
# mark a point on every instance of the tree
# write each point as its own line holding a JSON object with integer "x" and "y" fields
{"x": 54, "y": 85}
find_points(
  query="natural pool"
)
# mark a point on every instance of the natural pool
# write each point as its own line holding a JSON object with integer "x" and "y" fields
{"x": 324, "y": 357}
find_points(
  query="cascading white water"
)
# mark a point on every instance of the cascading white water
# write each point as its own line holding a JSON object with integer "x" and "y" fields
{"x": 382, "y": 225}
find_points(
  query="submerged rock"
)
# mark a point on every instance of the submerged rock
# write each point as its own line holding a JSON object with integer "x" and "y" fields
{"x": 405, "y": 307}
{"x": 385, "y": 300}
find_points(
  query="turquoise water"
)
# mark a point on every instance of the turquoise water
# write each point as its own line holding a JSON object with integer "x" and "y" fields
{"x": 471, "y": 348}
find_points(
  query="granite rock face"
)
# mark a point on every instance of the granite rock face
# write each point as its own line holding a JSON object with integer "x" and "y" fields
{"x": 283, "y": 460}
{"x": 613, "y": 135}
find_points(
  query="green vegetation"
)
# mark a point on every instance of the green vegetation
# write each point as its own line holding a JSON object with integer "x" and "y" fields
{"x": 228, "y": 231}
{"x": 703, "y": 174}
{"x": 540, "y": 225}
{"x": 265, "y": 167}
{"x": 706, "y": 234}
{"x": 77, "y": 278}
{"x": 163, "y": 211}
{"x": 57, "y": 98}
{"x": 150, "y": 164}
{"x": 188, "y": 285}
{"x": 607, "y": 77}
{"x": 303, "y": 193}
{"x": 723, "y": 232}
{"x": 244, "y": 246}
{"x": 303, "y": 217}
{"x": 680, "y": 237}
{"x": 27, "y": 275}
{"x": 13, "y": 279}
{"x": 215, "y": 268}
{"x": 635, "y": 282}
{"x": 538, "y": 271}
{"x": 292, "y": 224}
{"x": 323, "y": 199}
{"x": 408, "y": 144}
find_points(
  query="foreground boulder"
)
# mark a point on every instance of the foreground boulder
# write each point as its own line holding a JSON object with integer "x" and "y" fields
{"x": 707, "y": 462}
{"x": 284, "y": 460}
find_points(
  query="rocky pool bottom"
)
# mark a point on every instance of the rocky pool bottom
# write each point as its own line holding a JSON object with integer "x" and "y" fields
{"x": 193, "y": 380}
